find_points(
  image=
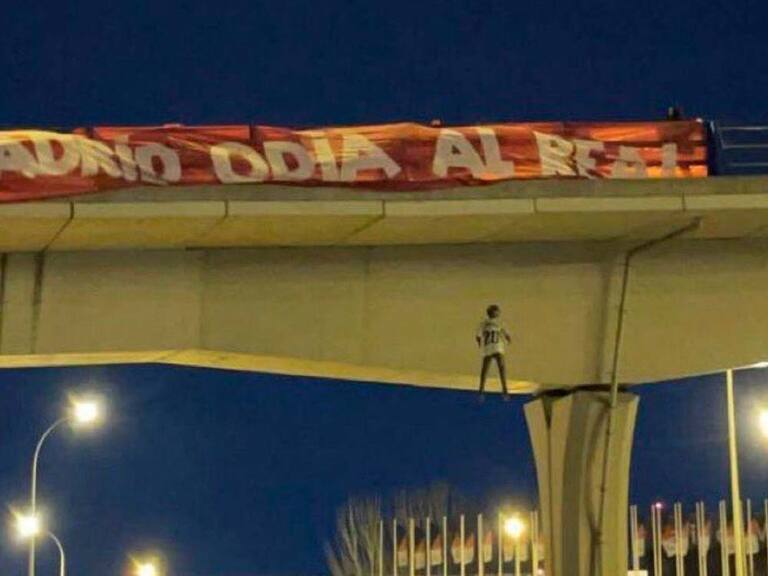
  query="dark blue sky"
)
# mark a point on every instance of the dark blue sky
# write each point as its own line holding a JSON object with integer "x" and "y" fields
{"x": 235, "y": 473}
{"x": 356, "y": 61}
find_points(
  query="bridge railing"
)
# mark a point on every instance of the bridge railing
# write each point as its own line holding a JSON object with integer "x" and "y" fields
{"x": 738, "y": 149}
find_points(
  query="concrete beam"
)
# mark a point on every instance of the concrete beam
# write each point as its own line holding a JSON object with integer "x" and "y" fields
{"x": 263, "y": 364}
{"x": 143, "y": 225}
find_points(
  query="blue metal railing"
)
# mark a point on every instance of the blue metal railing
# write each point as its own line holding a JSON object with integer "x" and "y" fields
{"x": 738, "y": 149}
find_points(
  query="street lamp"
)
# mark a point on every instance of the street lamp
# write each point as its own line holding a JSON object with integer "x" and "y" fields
{"x": 146, "y": 569}
{"x": 82, "y": 412}
{"x": 763, "y": 422}
{"x": 514, "y": 528}
{"x": 29, "y": 527}
{"x": 738, "y": 523}
{"x": 62, "y": 558}
{"x": 147, "y": 566}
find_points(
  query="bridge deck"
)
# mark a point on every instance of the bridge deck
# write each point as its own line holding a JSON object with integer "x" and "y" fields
{"x": 515, "y": 211}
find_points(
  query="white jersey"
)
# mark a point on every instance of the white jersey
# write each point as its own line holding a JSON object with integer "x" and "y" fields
{"x": 492, "y": 335}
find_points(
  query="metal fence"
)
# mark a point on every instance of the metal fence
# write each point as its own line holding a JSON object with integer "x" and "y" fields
{"x": 699, "y": 543}
{"x": 738, "y": 149}
{"x": 663, "y": 541}
{"x": 464, "y": 546}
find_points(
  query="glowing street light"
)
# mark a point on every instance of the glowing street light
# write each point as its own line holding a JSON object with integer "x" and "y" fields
{"x": 27, "y": 526}
{"x": 146, "y": 569}
{"x": 763, "y": 422}
{"x": 83, "y": 412}
{"x": 514, "y": 527}
{"x": 86, "y": 412}
{"x": 147, "y": 565}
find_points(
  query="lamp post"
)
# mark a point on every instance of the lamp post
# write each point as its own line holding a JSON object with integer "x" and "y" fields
{"x": 514, "y": 528}
{"x": 62, "y": 557}
{"x": 733, "y": 454}
{"x": 29, "y": 527}
{"x": 82, "y": 413}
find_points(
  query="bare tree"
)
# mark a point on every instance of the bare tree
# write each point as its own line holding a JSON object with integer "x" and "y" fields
{"x": 436, "y": 501}
{"x": 355, "y": 548}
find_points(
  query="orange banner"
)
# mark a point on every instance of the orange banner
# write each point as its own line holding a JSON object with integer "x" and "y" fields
{"x": 37, "y": 164}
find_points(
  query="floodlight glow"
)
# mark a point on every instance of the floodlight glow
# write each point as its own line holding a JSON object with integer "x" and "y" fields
{"x": 86, "y": 412}
{"x": 27, "y": 526}
{"x": 763, "y": 422}
{"x": 146, "y": 569}
{"x": 514, "y": 527}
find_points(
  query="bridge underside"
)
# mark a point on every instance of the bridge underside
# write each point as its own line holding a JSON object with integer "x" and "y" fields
{"x": 390, "y": 286}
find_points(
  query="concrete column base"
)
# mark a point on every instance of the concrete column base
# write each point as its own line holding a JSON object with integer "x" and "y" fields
{"x": 568, "y": 437}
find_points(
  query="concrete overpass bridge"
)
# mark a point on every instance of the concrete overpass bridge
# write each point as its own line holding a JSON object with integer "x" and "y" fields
{"x": 334, "y": 276}
{"x": 389, "y": 287}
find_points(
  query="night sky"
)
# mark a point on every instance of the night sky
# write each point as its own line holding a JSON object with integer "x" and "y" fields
{"x": 234, "y": 473}
{"x": 301, "y": 63}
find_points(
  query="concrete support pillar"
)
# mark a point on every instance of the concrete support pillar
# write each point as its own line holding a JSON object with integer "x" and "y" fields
{"x": 568, "y": 436}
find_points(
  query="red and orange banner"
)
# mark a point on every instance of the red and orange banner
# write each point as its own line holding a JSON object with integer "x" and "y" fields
{"x": 37, "y": 164}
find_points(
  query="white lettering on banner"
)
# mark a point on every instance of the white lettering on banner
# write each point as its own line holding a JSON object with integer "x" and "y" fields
{"x": 127, "y": 162}
{"x": 14, "y": 157}
{"x": 324, "y": 156}
{"x": 276, "y": 152}
{"x": 555, "y": 154}
{"x": 96, "y": 156}
{"x": 344, "y": 156}
{"x": 48, "y": 164}
{"x": 560, "y": 156}
{"x": 453, "y": 150}
{"x": 585, "y": 162}
{"x": 169, "y": 160}
{"x": 359, "y": 153}
{"x": 221, "y": 155}
{"x": 668, "y": 159}
{"x": 629, "y": 164}
{"x": 493, "y": 162}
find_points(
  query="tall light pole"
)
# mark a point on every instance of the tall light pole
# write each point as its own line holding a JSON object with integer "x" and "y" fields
{"x": 82, "y": 412}
{"x": 62, "y": 557}
{"x": 733, "y": 453}
{"x": 514, "y": 527}
{"x": 29, "y": 527}
{"x": 738, "y": 524}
